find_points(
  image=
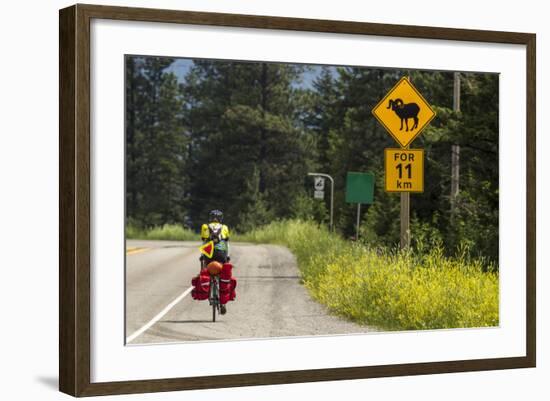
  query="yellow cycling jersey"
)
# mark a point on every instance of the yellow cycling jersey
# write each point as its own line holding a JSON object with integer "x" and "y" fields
{"x": 205, "y": 231}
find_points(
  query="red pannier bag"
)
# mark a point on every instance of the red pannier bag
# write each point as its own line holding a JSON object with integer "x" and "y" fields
{"x": 201, "y": 286}
{"x": 233, "y": 286}
{"x": 227, "y": 284}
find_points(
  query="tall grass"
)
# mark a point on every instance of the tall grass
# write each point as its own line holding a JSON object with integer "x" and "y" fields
{"x": 391, "y": 289}
{"x": 173, "y": 232}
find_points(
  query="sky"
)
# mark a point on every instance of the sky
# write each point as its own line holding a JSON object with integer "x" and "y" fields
{"x": 181, "y": 66}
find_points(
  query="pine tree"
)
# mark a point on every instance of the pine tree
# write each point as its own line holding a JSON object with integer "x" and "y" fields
{"x": 156, "y": 143}
{"x": 250, "y": 149}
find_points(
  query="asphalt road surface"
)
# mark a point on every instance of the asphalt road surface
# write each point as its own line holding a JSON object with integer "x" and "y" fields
{"x": 270, "y": 302}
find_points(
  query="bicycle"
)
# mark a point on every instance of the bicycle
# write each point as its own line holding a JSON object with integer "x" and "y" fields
{"x": 214, "y": 295}
{"x": 214, "y": 270}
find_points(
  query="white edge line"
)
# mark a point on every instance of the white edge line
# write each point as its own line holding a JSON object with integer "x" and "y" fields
{"x": 158, "y": 317}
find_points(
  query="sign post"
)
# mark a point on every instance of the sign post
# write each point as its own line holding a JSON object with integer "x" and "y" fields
{"x": 358, "y": 221}
{"x": 404, "y": 113}
{"x": 359, "y": 189}
{"x": 405, "y": 237}
{"x": 319, "y": 181}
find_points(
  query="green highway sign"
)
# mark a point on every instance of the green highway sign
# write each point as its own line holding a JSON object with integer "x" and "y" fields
{"x": 360, "y": 188}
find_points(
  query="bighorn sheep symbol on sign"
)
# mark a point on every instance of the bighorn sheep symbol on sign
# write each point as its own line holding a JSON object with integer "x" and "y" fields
{"x": 405, "y": 111}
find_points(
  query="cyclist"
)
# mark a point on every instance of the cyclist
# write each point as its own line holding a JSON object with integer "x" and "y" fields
{"x": 217, "y": 232}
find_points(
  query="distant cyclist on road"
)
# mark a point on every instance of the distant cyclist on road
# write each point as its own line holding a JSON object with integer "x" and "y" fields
{"x": 217, "y": 232}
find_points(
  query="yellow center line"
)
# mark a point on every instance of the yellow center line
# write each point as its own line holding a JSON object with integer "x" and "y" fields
{"x": 133, "y": 251}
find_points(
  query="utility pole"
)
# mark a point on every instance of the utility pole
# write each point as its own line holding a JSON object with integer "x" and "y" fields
{"x": 455, "y": 149}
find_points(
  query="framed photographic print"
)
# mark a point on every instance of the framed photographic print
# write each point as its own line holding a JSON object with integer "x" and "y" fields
{"x": 279, "y": 200}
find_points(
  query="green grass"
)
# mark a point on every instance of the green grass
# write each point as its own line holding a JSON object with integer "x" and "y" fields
{"x": 174, "y": 232}
{"x": 390, "y": 289}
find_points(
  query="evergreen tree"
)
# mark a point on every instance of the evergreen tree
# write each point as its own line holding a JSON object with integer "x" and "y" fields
{"x": 250, "y": 148}
{"x": 156, "y": 143}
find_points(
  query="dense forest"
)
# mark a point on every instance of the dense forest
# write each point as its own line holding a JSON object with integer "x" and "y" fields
{"x": 242, "y": 136}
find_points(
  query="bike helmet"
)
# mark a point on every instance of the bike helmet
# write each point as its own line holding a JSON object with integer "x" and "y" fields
{"x": 216, "y": 215}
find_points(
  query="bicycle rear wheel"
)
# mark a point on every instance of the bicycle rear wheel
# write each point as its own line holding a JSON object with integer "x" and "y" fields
{"x": 215, "y": 296}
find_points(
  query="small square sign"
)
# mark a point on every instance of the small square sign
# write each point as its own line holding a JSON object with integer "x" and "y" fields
{"x": 319, "y": 194}
{"x": 360, "y": 188}
{"x": 404, "y": 170}
{"x": 319, "y": 183}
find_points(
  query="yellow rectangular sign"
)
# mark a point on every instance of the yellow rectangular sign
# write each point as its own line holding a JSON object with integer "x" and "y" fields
{"x": 404, "y": 170}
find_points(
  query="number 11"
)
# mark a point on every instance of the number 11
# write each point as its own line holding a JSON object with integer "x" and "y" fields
{"x": 408, "y": 167}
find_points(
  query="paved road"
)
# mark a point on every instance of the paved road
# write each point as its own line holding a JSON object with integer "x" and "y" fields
{"x": 271, "y": 301}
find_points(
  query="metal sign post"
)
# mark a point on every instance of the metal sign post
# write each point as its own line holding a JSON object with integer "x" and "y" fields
{"x": 317, "y": 184}
{"x": 358, "y": 221}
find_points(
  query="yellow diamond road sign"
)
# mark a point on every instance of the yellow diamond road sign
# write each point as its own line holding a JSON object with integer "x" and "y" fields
{"x": 404, "y": 170}
{"x": 404, "y": 112}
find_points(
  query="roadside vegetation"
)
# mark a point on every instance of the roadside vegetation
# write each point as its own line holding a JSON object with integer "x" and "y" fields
{"x": 173, "y": 232}
{"x": 394, "y": 290}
